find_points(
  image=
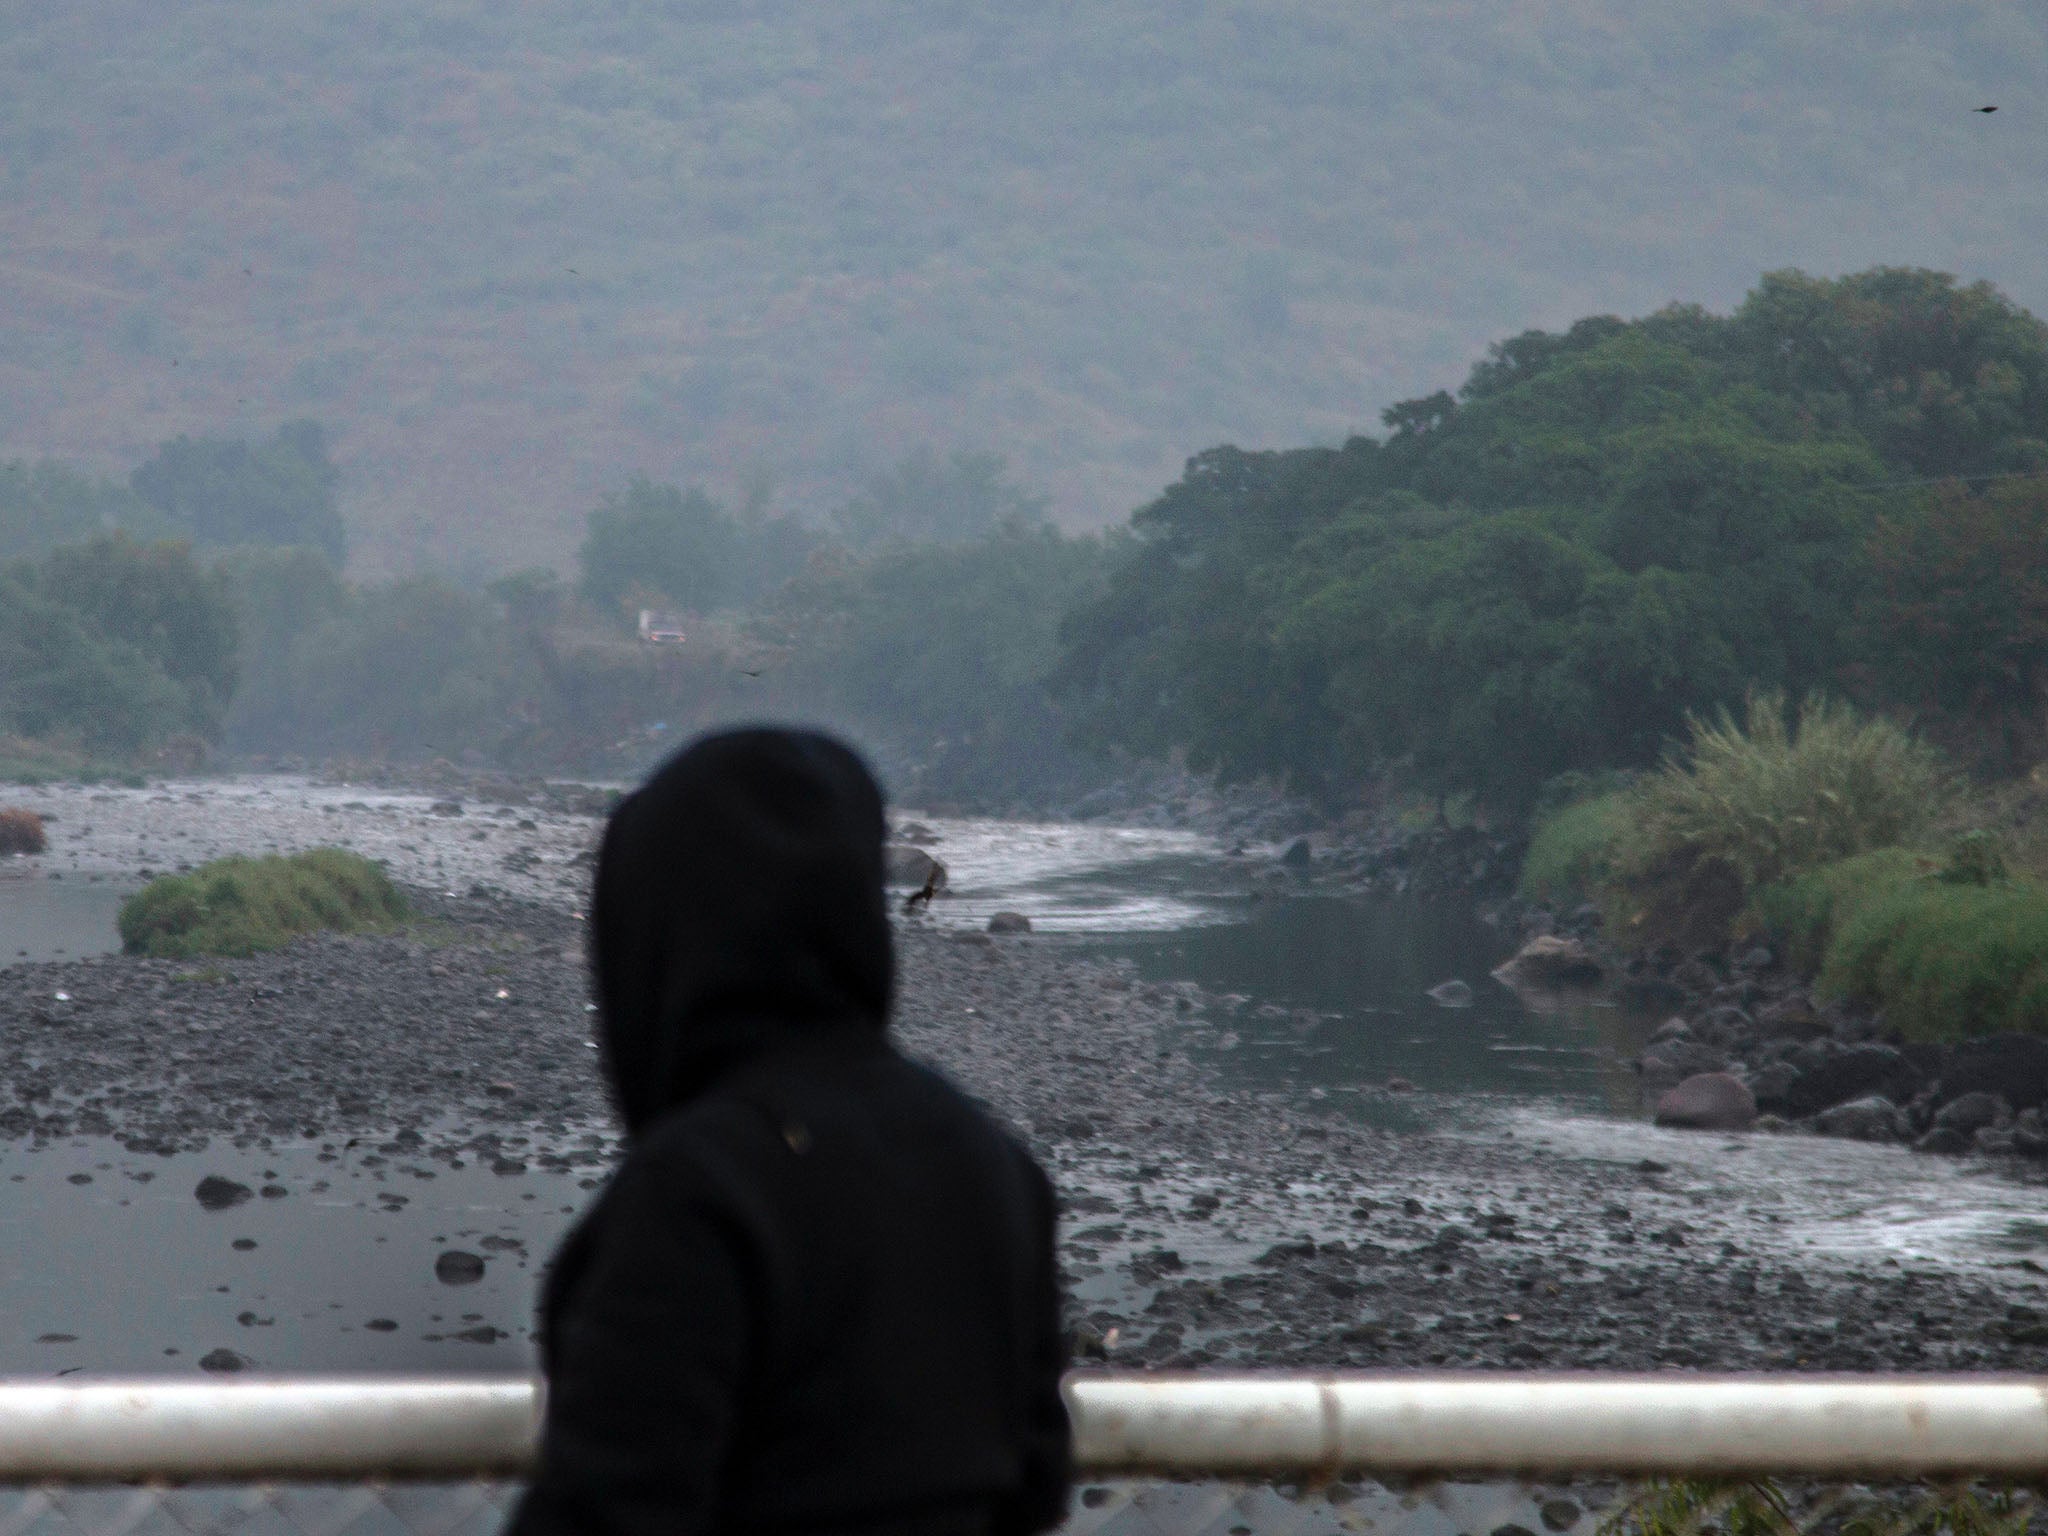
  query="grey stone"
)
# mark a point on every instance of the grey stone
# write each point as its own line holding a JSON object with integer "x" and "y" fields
{"x": 1970, "y": 1113}
{"x": 1771, "y": 1083}
{"x": 1830, "y": 1074}
{"x": 1549, "y": 961}
{"x": 905, "y": 865}
{"x": 218, "y": 1194}
{"x": 1009, "y": 922}
{"x": 1943, "y": 1140}
{"x": 2012, "y": 1066}
{"x": 1297, "y": 854}
{"x": 455, "y": 1267}
{"x": 1708, "y": 1101}
{"x": 223, "y": 1360}
{"x": 1451, "y": 994}
{"x": 1872, "y": 1118}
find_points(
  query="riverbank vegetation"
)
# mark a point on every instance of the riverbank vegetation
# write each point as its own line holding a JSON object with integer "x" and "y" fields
{"x": 1840, "y": 488}
{"x": 240, "y": 906}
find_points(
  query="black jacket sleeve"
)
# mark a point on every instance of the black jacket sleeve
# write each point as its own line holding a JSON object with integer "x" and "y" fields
{"x": 1041, "y": 1501}
{"x": 649, "y": 1353}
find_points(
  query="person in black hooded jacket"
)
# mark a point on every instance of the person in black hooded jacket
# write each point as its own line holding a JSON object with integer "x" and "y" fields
{"x": 819, "y": 1294}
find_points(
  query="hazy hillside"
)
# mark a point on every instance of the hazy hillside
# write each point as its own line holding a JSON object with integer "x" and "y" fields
{"x": 509, "y": 254}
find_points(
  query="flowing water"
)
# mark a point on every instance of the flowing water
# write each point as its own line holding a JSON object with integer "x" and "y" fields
{"x": 1320, "y": 996}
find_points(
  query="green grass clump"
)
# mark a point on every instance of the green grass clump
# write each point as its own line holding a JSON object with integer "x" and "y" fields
{"x": 1947, "y": 947}
{"x": 239, "y": 906}
{"x": 1771, "y": 799}
{"x": 1571, "y": 852}
{"x": 1750, "y": 804}
{"x": 1947, "y": 961}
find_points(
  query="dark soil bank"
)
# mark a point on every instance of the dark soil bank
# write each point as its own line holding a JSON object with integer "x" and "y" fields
{"x": 1202, "y": 1225}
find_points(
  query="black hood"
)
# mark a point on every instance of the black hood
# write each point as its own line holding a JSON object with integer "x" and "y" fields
{"x": 739, "y": 905}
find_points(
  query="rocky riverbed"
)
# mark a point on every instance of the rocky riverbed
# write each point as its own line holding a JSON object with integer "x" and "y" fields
{"x": 1201, "y": 1224}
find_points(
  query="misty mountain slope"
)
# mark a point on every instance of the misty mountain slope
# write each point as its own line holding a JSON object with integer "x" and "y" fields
{"x": 509, "y": 255}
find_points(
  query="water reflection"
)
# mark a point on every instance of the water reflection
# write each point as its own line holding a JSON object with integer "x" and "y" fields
{"x": 1332, "y": 994}
{"x": 44, "y": 918}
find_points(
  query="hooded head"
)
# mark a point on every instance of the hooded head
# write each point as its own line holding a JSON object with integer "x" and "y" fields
{"x": 739, "y": 904}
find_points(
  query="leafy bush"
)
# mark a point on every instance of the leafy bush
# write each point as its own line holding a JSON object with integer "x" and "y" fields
{"x": 1571, "y": 852}
{"x": 21, "y": 832}
{"x": 1749, "y": 805}
{"x": 238, "y": 906}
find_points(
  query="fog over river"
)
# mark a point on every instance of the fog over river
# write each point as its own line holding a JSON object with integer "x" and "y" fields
{"x": 328, "y": 1260}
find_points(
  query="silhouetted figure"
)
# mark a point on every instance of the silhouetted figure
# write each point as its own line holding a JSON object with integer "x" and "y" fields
{"x": 819, "y": 1294}
{"x": 929, "y": 889}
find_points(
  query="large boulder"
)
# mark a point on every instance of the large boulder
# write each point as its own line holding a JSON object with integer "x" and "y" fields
{"x": 904, "y": 865}
{"x": 1550, "y": 961}
{"x": 1670, "y": 1060}
{"x": 1831, "y": 1073}
{"x": 1871, "y": 1118}
{"x": 1708, "y": 1101}
{"x": 1969, "y": 1113}
{"x": 2012, "y": 1066}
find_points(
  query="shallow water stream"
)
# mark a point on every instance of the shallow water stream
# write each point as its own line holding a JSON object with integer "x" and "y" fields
{"x": 114, "y": 1267}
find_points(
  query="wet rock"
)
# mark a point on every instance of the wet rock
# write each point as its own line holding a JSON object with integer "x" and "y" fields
{"x": 1009, "y": 922}
{"x": 215, "y": 1193}
{"x": 1709, "y": 1101}
{"x": 1559, "y": 1514}
{"x": 916, "y": 833}
{"x": 1995, "y": 1141}
{"x": 1946, "y": 1141}
{"x": 1969, "y": 1113}
{"x": 1771, "y": 1085}
{"x": 1757, "y": 959}
{"x": 453, "y": 1266}
{"x": 1831, "y": 1074}
{"x": 1451, "y": 994}
{"x": 1667, "y": 1063}
{"x": 2012, "y": 1066}
{"x": 1297, "y": 854}
{"x": 908, "y": 866}
{"x": 446, "y": 808}
{"x": 1548, "y": 962}
{"x": 223, "y": 1360}
{"x": 382, "y": 1325}
{"x": 1872, "y": 1118}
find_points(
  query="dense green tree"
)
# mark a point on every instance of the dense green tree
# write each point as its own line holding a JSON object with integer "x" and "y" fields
{"x": 1958, "y": 616}
{"x": 923, "y": 499}
{"x": 227, "y": 491}
{"x": 656, "y": 546}
{"x": 157, "y": 599}
{"x": 46, "y": 504}
{"x": 935, "y": 657}
{"x": 1604, "y": 529}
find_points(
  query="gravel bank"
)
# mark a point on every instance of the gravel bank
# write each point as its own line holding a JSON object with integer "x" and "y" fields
{"x": 1202, "y": 1225}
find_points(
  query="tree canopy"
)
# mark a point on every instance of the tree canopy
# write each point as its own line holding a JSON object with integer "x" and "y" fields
{"x": 1604, "y": 529}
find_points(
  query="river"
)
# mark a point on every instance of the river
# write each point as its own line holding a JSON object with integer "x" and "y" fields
{"x": 1324, "y": 997}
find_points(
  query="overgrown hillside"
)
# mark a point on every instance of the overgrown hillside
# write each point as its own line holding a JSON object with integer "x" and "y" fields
{"x": 509, "y": 255}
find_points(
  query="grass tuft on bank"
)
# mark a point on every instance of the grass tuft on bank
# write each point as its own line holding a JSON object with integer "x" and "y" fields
{"x": 1947, "y": 947}
{"x": 1571, "y": 851}
{"x": 1743, "y": 805}
{"x": 239, "y": 906}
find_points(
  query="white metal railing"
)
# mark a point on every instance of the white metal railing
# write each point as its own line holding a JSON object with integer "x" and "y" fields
{"x": 349, "y": 1428}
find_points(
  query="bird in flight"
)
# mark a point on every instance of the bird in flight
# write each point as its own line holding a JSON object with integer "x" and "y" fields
{"x": 1987, "y": 109}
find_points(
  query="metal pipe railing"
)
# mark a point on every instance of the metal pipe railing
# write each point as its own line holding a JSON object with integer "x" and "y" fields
{"x": 347, "y": 1428}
